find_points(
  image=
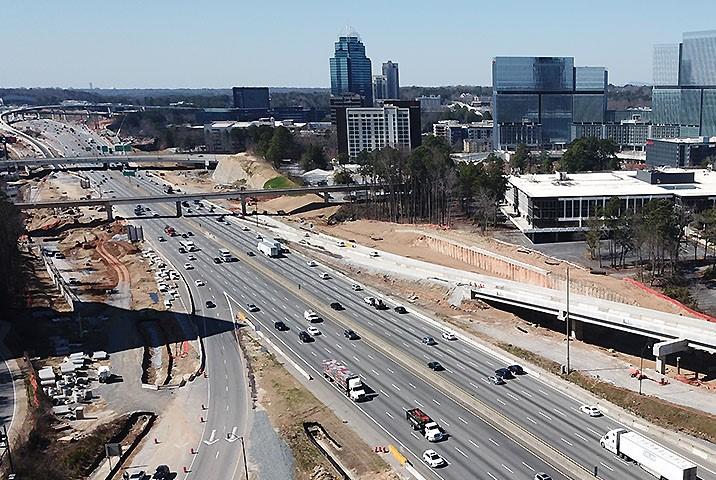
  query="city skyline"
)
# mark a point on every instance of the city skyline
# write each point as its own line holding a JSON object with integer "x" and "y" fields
{"x": 186, "y": 45}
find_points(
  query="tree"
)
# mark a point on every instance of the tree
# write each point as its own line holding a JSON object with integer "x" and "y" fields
{"x": 521, "y": 159}
{"x": 280, "y": 146}
{"x": 486, "y": 115}
{"x": 593, "y": 237}
{"x": 590, "y": 154}
{"x": 342, "y": 177}
{"x": 313, "y": 157}
{"x": 342, "y": 158}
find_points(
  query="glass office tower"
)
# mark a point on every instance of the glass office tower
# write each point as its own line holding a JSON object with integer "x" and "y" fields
{"x": 539, "y": 98}
{"x": 351, "y": 69}
{"x": 684, "y": 91}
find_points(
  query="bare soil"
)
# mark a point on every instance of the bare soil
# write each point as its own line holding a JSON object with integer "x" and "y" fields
{"x": 289, "y": 404}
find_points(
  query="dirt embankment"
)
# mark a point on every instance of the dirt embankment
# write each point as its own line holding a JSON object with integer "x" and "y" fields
{"x": 289, "y": 405}
{"x": 244, "y": 170}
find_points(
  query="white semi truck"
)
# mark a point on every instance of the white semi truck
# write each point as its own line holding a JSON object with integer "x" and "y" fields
{"x": 347, "y": 381}
{"x": 270, "y": 248}
{"x": 649, "y": 455}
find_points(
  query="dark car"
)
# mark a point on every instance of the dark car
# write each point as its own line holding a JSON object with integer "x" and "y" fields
{"x": 429, "y": 341}
{"x": 516, "y": 369}
{"x": 210, "y": 304}
{"x": 162, "y": 473}
{"x": 251, "y": 307}
{"x": 504, "y": 373}
{"x": 184, "y": 235}
{"x": 190, "y": 234}
{"x": 280, "y": 326}
{"x": 250, "y": 253}
{"x": 182, "y": 250}
{"x": 350, "y": 335}
{"x": 304, "y": 336}
{"x": 400, "y": 309}
{"x": 336, "y": 306}
{"x": 435, "y": 366}
{"x": 217, "y": 260}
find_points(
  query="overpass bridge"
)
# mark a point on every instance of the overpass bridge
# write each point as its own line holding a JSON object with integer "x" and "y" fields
{"x": 179, "y": 198}
{"x": 671, "y": 333}
{"x": 106, "y": 161}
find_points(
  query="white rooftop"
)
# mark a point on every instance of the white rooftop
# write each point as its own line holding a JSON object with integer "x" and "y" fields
{"x": 609, "y": 184}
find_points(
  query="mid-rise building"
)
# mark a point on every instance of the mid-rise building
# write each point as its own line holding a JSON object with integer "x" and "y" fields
{"x": 627, "y": 134}
{"x": 681, "y": 152}
{"x": 341, "y": 102}
{"x": 380, "y": 88}
{"x": 351, "y": 69}
{"x": 430, "y": 103}
{"x": 537, "y": 99}
{"x": 395, "y": 124}
{"x": 252, "y": 98}
{"x": 392, "y": 79}
{"x": 470, "y": 137}
{"x": 684, "y": 91}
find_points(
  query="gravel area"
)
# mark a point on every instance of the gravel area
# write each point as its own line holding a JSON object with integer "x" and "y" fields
{"x": 267, "y": 451}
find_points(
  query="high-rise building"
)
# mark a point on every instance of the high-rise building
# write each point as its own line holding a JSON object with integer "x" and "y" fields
{"x": 390, "y": 72}
{"x": 351, "y": 69}
{"x": 380, "y": 91}
{"x": 684, "y": 90}
{"x": 252, "y": 98}
{"x": 395, "y": 124}
{"x": 536, "y": 100}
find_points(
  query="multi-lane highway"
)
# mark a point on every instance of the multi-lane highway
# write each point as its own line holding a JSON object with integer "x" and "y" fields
{"x": 474, "y": 448}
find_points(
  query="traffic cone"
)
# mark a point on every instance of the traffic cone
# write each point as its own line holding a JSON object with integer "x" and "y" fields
{"x": 203, "y": 407}
{"x": 193, "y": 452}
{"x": 156, "y": 441}
{"x": 202, "y": 419}
{"x": 186, "y": 470}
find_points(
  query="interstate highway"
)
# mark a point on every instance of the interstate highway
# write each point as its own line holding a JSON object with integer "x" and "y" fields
{"x": 545, "y": 412}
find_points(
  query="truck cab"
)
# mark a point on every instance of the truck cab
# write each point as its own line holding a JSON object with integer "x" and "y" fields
{"x": 610, "y": 440}
{"x": 433, "y": 432}
{"x": 356, "y": 391}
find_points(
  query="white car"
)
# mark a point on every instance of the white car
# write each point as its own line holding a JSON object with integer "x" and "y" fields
{"x": 311, "y": 316}
{"x": 325, "y": 276}
{"x": 356, "y": 288}
{"x": 312, "y": 264}
{"x": 374, "y": 254}
{"x": 432, "y": 458}
{"x": 188, "y": 266}
{"x": 313, "y": 330}
{"x": 245, "y": 229}
{"x": 591, "y": 410}
{"x": 199, "y": 283}
{"x": 448, "y": 335}
{"x": 369, "y": 300}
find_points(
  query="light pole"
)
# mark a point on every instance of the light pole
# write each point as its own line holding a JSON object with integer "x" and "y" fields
{"x": 566, "y": 321}
{"x": 641, "y": 365}
{"x": 243, "y": 451}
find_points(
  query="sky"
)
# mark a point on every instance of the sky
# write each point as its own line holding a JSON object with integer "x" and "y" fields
{"x": 224, "y": 43}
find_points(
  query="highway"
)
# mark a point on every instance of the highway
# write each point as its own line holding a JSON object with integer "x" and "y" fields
{"x": 474, "y": 447}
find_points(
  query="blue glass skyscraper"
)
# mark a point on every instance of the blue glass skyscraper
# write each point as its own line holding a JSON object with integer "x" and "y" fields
{"x": 351, "y": 69}
{"x": 684, "y": 91}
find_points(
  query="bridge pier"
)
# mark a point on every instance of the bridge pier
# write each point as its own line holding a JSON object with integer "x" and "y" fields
{"x": 325, "y": 196}
{"x": 662, "y": 349}
{"x": 243, "y": 205}
{"x": 178, "y": 208}
{"x": 577, "y": 329}
{"x": 105, "y": 166}
{"x": 110, "y": 214}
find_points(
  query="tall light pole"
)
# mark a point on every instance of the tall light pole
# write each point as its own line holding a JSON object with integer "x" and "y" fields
{"x": 243, "y": 451}
{"x": 641, "y": 365}
{"x": 566, "y": 321}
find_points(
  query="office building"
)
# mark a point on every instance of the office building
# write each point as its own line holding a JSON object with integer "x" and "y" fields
{"x": 338, "y": 104}
{"x": 681, "y": 152}
{"x": 468, "y": 137}
{"x": 430, "y": 103}
{"x": 251, "y": 98}
{"x": 556, "y": 207}
{"x": 684, "y": 90}
{"x": 390, "y": 72}
{"x": 626, "y": 134}
{"x": 351, "y": 69}
{"x": 395, "y": 124}
{"x": 537, "y": 99}
{"x": 380, "y": 88}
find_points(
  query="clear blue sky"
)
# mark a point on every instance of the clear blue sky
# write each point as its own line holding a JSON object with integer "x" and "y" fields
{"x": 220, "y": 43}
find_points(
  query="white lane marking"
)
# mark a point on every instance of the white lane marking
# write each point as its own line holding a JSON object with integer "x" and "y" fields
{"x": 378, "y": 374}
{"x": 442, "y": 420}
{"x": 391, "y": 371}
{"x": 512, "y": 396}
{"x": 532, "y": 469}
{"x": 531, "y": 420}
{"x": 581, "y": 436}
{"x": 496, "y": 444}
{"x": 503, "y": 403}
{"x": 566, "y": 441}
{"x": 507, "y": 468}
{"x": 544, "y": 415}
{"x": 395, "y": 386}
{"x": 415, "y": 435}
{"x": 419, "y": 404}
{"x": 491, "y": 476}
{"x": 460, "y": 366}
{"x": 388, "y": 413}
{"x": 217, "y": 455}
{"x": 462, "y": 420}
{"x": 355, "y": 358}
{"x": 371, "y": 356}
{"x": 381, "y": 391}
{"x": 475, "y": 444}
{"x": 473, "y": 385}
{"x": 543, "y": 392}
{"x": 558, "y": 412}
{"x": 461, "y": 452}
{"x": 436, "y": 401}
{"x": 314, "y": 354}
{"x": 413, "y": 386}
{"x": 594, "y": 432}
{"x": 327, "y": 351}
{"x": 489, "y": 363}
{"x": 339, "y": 346}
{"x": 607, "y": 466}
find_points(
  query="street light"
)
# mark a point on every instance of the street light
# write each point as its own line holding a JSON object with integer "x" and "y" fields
{"x": 641, "y": 364}
{"x": 566, "y": 321}
{"x": 243, "y": 451}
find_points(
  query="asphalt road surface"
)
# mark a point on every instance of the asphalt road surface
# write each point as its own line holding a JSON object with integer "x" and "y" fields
{"x": 473, "y": 448}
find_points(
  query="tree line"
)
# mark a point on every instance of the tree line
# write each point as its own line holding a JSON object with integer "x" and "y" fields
{"x": 588, "y": 154}
{"x": 276, "y": 144}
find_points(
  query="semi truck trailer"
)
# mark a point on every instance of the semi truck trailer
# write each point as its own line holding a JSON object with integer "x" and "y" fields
{"x": 652, "y": 457}
{"x": 350, "y": 383}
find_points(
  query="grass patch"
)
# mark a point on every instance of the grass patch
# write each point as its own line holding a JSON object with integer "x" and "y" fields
{"x": 279, "y": 182}
{"x": 653, "y": 409}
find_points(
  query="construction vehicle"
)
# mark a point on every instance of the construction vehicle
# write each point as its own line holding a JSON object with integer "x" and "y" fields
{"x": 419, "y": 420}
{"x": 348, "y": 382}
{"x": 169, "y": 230}
{"x": 649, "y": 455}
